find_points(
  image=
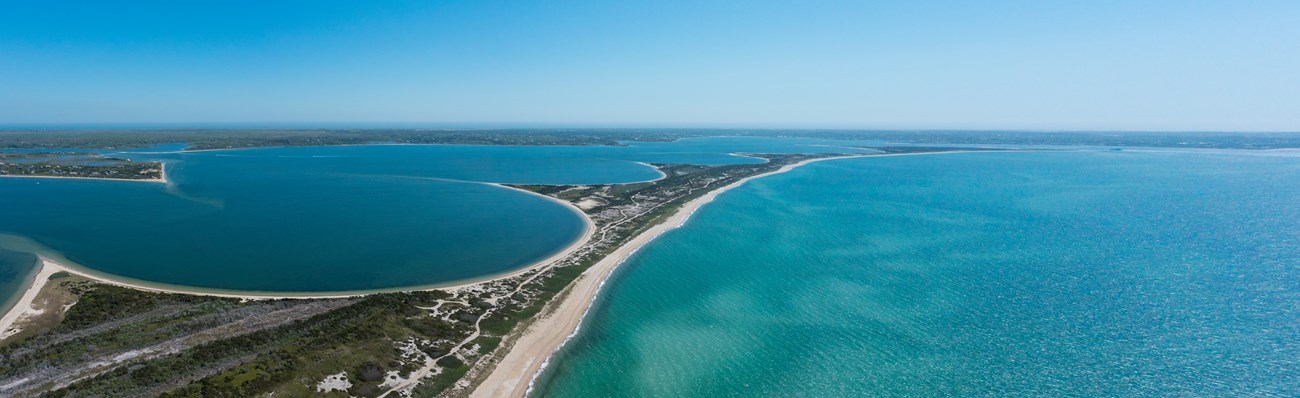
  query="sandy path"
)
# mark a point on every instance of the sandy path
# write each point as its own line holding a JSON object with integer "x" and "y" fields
{"x": 63, "y": 265}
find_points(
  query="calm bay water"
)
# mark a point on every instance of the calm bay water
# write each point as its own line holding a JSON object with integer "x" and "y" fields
{"x": 320, "y": 219}
{"x": 1025, "y": 274}
{"x": 1089, "y": 274}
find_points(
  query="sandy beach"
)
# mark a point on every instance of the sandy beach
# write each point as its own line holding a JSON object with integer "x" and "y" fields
{"x": 514, "y": 374}
{"x": 23, "y": 308}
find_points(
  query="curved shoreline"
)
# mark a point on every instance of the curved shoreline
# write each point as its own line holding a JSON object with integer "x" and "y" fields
{"x": 563, "y": 322}
{"x": 39, "y": 277}
{"x": 514, "y": 375}
{"x": 55, "y": 263}
{"x": 525, "y": 360}
{"x": 662, "y": 175}
{"x": 49, "y": 264}
{"x": 162, "y": 177}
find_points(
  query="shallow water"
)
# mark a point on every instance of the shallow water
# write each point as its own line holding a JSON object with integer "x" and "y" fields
{"x": 993, "y": 274}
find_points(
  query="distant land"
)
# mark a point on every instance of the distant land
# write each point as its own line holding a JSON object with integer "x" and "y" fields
{"x": 201, "y": 139}
{"x": 45, "y": 152}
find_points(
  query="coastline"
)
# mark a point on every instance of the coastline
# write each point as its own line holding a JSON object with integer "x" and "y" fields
{"x": 525, "y": 359}
{"x": 162, "y": 173}
{"x": 52, "y": 263}
{"x": 23, "y": 307}
{"x": 55, "y": 263}
{"x": 515, "y": 374}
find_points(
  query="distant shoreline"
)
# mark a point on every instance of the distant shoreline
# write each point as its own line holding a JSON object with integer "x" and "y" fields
{"x": 162, "y": 287}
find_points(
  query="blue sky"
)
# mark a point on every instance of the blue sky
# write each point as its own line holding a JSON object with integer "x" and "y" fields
{"x": 1085, "y": 65}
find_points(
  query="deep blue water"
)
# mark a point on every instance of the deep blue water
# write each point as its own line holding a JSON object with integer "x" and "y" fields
{"x": 994, "y": 274}
{"x": 320, "y": 219}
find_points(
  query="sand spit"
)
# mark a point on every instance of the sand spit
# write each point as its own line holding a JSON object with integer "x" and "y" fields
{"x": 514, "y": 375}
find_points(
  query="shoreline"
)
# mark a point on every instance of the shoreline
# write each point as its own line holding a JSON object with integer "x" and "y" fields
{"x": 51, "y": 264}
{"x": 525, "y": 360}
{"x": 549, "y": 332}
{"x": 162, "y": 173}
{"x": 515, "y": 374}
{"x": 662, "y": 175}
{"x": 23, "y": 307}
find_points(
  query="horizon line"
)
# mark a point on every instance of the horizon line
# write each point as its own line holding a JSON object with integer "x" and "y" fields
{"x": 472, "y": 126}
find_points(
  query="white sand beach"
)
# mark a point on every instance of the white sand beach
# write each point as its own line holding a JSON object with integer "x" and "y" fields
{"x": 514, "y": 374}
{"x": 23, "y": 308}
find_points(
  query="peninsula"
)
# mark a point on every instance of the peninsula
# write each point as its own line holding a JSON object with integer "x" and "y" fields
{"x": 444, "y": 341}
{"x": 421, "y": 342}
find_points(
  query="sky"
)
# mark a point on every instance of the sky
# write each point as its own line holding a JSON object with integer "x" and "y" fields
{"x": 1026, "y": 65}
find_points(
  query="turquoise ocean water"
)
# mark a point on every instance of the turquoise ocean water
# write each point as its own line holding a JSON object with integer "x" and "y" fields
{"x": 994, "y": 274}
{"x": 323, "y": 219}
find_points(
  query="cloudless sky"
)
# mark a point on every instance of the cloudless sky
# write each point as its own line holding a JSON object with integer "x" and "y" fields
{"x": 1078, "y": 65}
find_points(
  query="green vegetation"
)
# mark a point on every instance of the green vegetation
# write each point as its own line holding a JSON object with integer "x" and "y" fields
{"x": 122, "y": 342}
{"x": 248, "y": 138}
{"x": 925, "y": 149}
{"x": 75, "y": 164}
{"x": 62, "y": 290}
{"x": 112, "y": 326}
